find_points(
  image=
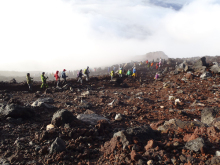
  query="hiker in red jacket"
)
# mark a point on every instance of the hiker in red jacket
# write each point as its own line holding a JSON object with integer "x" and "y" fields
{"x": 56, "y": 75}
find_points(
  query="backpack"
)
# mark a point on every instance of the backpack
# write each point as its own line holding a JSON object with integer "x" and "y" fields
{"x": 85, "y": 71}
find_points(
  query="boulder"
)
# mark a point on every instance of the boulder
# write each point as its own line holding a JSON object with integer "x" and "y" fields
{"x": 46, "y": 100}
{"x": 205, "y": 75}
{"x": 215, "y": 69}
{"x": 195, "y": 145}
{"x": 208, "y": 114}
{"x": 16, "y": 111}
{"x": 200, "y": 62}
{"x": 42, "y": 105}
{"x": 141, "y": 133}
{"x": 175, "y": 123}
{"x": 123, "y": 135}
{"x": 200, "y": 65}
{"x": 57, "y": 146}
{"x": 91, "y": 118}
{"x": 42, "y": 102}
{"x": 62, "y": 117}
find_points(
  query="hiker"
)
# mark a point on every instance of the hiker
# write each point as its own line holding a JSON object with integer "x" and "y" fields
{"x": 134, "y": 72}
{"x": 112, "y": 74}
{"x": 156, "y": 65}
{"x": 148, "y": 66}
{"x": 57, "y": 77}
{"x": 80, "y": 76}
{"x": 64, "y": 76}
{"x": 151, "y": 65}
{"x": 160, "y": 62}
{"x": 147, "y": 62}
{"x": 120, "y": 72}
{"x": 128, "y": 73}
{"x": 86, "y": 72}
{"x": 44, "y": 79}
{"x": 156, "y": 76}
{"x": 29, "y": 82}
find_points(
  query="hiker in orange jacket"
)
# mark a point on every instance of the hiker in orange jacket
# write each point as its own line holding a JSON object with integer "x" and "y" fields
{"x": 152, "y": 64}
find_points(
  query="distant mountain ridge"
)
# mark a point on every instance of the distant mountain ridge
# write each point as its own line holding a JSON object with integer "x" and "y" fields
{"x": 152, "y": 56}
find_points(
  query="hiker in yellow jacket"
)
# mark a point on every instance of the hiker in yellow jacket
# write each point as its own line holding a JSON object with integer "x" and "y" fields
{"x": 112, "y": 74}
{"x": 120, "y": 72}
{"x": 44, "y": 79}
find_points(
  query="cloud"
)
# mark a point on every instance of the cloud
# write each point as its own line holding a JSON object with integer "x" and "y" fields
{"x": 73, "y": 34}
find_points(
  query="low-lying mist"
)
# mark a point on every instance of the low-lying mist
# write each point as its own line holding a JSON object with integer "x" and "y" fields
{"x": 73, "y": 34}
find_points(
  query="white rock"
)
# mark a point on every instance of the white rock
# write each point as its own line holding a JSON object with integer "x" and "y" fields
{"x": 85, "y": 93}
{"x": 150, "y": 162}
{"x": 217, "y": 153}
{"x": 118, "y": 117}
{"x": 110, "y": 104}
{"x": 197, "y": 120}
{"x": 49, "y": 126}
{"x": 171, "y": 97}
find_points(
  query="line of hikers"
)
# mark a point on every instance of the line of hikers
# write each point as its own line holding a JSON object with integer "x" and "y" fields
{"x": 44, "y": 84}
{"x": 130, "y": 73}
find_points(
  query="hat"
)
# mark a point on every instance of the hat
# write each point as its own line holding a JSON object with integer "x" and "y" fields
{"x": 43, "y": 72}
{"x": 64, "y": 70}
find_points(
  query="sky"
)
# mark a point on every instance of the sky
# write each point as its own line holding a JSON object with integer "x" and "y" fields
{"x": 49, "y": 35}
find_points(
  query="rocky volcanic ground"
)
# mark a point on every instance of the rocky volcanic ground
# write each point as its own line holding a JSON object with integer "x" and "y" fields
{"x": 174, "y": 120}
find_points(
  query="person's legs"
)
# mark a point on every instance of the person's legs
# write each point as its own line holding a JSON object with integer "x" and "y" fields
{"x": 58, "y": 83}
{"x": 42, "y": 85}
{"x": 30, "y": 87}
{"x": 64, "y": 81}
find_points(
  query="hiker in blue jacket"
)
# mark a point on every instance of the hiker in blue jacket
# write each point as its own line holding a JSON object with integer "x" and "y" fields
{"x": 63, "y": 76}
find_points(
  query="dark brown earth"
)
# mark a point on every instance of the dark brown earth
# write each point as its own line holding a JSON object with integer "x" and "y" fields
{"x": 141, "y": 101}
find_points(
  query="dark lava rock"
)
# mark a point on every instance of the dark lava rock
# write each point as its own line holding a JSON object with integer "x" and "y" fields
{"x": 62, "y": 117}
{"x": 141, "y": 133}
{"x": 16, "y": 111}
{"x": 57, "y": 146}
